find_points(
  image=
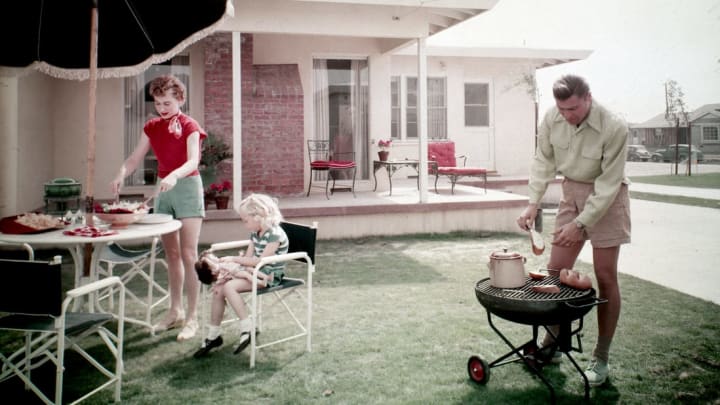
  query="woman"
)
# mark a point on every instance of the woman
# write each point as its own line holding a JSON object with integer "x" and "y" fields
{"x": 175, "y": 139}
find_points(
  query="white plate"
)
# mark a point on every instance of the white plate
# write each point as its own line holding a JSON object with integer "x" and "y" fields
{"x": 155, "y": 219}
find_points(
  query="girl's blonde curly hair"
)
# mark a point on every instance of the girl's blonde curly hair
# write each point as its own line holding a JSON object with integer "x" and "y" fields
{"x": 262, "y": 208}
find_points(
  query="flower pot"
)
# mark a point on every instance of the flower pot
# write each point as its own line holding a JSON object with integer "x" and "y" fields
{"x": 221, "y": 202}
{"x": 383, "y": 155}
{"x": 207, "y": 199}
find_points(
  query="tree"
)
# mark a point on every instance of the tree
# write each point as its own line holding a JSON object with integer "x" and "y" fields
{"x": 675, "y": 111}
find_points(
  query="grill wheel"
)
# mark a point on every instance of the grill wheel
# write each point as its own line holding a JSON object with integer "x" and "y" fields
{"x": 478, "y": 370}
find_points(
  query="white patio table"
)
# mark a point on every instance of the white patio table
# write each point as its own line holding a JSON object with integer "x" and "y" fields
{"x": 76, "y": 244}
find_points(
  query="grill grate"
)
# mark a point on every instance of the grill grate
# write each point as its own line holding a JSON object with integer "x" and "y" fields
{"x": 525, "y": 293}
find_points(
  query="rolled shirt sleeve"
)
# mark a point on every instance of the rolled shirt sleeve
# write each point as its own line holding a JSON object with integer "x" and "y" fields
{"x": 594, "y": 153}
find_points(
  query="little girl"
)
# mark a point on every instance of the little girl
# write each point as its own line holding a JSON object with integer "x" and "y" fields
{"x": 261, "y": 216}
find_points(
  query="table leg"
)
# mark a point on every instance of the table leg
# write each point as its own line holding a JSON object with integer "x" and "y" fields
{"x": 390, "y": 173}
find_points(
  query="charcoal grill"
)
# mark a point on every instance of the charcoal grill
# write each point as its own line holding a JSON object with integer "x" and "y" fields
{"x": 525, "y": 306}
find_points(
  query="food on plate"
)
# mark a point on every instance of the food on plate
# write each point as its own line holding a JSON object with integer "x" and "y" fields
{"x": 89, "y": 232}
{"x": 546, "y": 288}
{"x": 39, "y": 221}
{"x": 538, "y": 243}
{"x": 122, "y": 207}
{"x": 575, "y": 279}
{"x": 537, "y": 275}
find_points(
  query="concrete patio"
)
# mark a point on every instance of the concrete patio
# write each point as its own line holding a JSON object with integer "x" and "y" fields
{"x": 374, "y": 213}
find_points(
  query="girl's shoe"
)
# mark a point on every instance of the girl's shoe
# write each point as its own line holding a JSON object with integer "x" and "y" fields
{"x": 207, "y": 346}
{"x": 170, "y": 322}
{"x": 245, "y": 338}
{"x": 189, "y": 330}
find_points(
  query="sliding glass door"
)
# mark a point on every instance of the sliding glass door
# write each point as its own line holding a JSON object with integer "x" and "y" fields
{"x": 341, "y": 108}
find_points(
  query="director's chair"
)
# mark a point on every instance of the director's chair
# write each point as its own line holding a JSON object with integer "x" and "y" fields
{"x": 31, "y": 298}
{"x": 302, "y": 240}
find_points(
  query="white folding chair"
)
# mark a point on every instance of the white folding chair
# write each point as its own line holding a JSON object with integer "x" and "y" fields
{"x": 302, "y": 240}
{"x": 131, "y": 265}
{"x": 42, "y": 314}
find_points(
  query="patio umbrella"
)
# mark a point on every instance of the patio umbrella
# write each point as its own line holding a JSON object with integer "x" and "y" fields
{"x": 91, "y": 39}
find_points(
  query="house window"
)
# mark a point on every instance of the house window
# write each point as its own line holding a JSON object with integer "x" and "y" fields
{"x": 395, "y": 123}
{"x": 710, "y": 134}
{"x": 477, "y": 105}
{"x": 436, "y": 105}
{"x": 140, "y": 107}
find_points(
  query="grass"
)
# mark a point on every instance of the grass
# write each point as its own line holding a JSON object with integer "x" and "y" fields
{"x": 395, "y": 321}
{"x": 705, "y": 180}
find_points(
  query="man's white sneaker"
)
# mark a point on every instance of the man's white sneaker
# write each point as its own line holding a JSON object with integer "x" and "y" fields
{"x": 597, "y": 372}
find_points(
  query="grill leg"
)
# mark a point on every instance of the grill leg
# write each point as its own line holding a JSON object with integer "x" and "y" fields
{"x": 517, "y": 352}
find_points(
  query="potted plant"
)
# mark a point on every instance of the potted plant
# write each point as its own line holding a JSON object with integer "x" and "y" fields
{"x": 384, "y": 145}
{"x": 221, "y": 191}
{"x": 214, "y": 151}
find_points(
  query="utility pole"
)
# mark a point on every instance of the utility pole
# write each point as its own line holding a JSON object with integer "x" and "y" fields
{"x": 674, "y": 111}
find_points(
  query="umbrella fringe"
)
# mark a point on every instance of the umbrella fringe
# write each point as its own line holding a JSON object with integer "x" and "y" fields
{"x": 116, "y": 72}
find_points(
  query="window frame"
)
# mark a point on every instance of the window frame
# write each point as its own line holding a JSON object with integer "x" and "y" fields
{"x": 404, "y": 107}
{"x": 717, "y": 133}
{"x": 487, "y": 106}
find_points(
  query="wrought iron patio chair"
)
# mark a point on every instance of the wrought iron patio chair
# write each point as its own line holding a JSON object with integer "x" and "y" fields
{"x": 334, "y": 165}
{"x": 43, "y": 315}
{"x": 443, "y": 162}
{"x": 302, "y": 240}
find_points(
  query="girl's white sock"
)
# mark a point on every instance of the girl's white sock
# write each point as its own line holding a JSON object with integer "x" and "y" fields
{"x": 245, "y": 325}
{"x": 213, "y": 332}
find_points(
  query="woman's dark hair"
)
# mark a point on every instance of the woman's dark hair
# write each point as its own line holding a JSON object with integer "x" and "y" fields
{"x": 570, "y": 85}
{"x": 168, "y": 83}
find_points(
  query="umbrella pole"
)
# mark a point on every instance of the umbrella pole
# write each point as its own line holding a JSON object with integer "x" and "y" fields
{"x": 89, "y": 180}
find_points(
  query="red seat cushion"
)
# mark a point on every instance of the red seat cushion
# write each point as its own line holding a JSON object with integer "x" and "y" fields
{"x": 462, "y": 171}
{"x": 442, "y": 152}
{"x": 332, "y": 164}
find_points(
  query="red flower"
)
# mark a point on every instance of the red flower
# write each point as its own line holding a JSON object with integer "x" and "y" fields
{"x": 221, "y": 187}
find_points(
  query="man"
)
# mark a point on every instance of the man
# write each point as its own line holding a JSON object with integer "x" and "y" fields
{"x": 582, "y": 141}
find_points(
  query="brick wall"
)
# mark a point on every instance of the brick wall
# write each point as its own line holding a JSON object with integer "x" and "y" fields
{"x": 272, "y": 117}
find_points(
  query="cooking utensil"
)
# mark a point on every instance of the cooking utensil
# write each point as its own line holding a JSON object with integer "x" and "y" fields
{"x": 507, "y": 269}
{"x": 537, "y": 242}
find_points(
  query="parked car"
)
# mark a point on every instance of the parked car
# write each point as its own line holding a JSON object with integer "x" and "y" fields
{"x": 668, "y": 155}
{"x": 636, "y": 153}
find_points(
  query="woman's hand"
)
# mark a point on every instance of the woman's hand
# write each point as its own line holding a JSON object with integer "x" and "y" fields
{"x": 168, "y": 183}
{"x": 115, "y": 186}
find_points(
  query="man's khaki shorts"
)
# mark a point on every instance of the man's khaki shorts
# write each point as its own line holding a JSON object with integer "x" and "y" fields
{"x": 613, "y": 229}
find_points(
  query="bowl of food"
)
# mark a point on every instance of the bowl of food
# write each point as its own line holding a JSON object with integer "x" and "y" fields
{"x": 121, "y": 214}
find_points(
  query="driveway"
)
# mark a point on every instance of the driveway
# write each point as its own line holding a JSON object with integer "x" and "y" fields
{"x": 673, "y": 245}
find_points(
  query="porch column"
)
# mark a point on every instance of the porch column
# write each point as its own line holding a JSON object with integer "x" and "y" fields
{"x": 422, "y": 119}
{"x": 237, "y": 116}
{"x": 8, "y": 145}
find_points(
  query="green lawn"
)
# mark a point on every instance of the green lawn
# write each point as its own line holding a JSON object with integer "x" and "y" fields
{"x": 395, "y": 321}
{"x": 705, "y": 180}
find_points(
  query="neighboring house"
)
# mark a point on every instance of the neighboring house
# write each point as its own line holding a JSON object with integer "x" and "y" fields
{"x": 303, "y": 70}
{"x": 658, "y": 132}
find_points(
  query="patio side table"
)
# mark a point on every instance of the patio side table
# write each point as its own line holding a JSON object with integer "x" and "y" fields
{"x": 391, "y": 166}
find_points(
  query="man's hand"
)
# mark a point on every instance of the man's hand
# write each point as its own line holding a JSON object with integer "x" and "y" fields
{"x": 568, "y": 235}
{"x": 527, "y": 218}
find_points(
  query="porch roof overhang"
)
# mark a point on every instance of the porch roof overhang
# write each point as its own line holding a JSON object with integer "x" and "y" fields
{"x": 393, "y": 23}
{"x": 539, "y": 58}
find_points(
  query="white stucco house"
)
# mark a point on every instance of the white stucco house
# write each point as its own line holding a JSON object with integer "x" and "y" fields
{"x": 282, "y": 72}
